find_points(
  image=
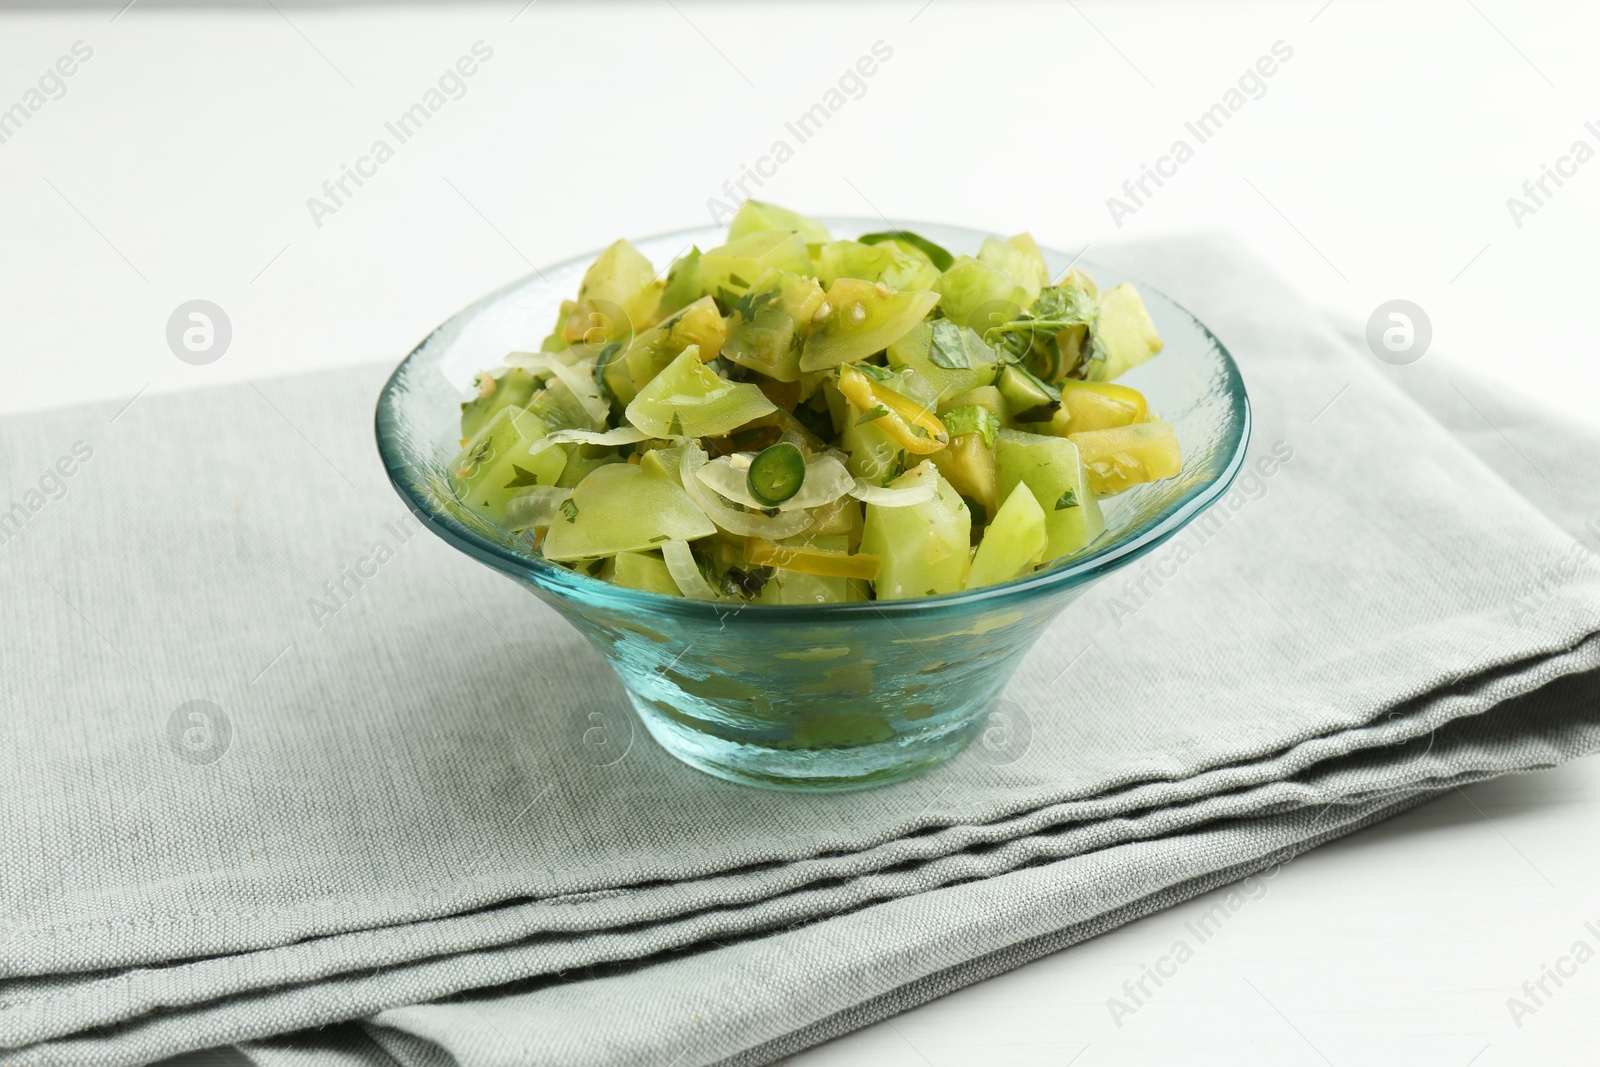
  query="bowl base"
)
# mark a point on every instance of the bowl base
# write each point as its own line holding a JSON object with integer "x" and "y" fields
{"x": 811, "y": 770}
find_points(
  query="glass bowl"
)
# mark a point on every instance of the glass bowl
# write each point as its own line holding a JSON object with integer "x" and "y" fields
{"x": 835, "y": 696}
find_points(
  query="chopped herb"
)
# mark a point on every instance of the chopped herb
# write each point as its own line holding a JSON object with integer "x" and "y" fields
{"x": 940, "y": 256}
{"x": 659, "y": 537}
{"x": 974, "y": 418}
{"x": 1068, "y": 499}
{"x": 875, "y": 372}
{"x": 740, "y": 282}
{"x": 523, "y": 477}
{"x": 676, "y": 429}
{"x": 570, "y": 510}
{"x": 947, "y": 349}
{"x": 876, "y": 413}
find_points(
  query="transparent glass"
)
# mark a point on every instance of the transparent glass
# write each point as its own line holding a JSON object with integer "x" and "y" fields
{"x": 837, "y": 696}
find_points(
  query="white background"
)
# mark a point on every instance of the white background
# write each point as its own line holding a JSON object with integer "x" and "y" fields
{"x": 1376, "y": 166}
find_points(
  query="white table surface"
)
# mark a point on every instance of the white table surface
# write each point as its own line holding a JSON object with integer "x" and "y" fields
{"x": 1376, "y": 166}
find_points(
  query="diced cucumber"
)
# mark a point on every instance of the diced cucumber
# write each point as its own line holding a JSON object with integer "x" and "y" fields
{"x": 862, "y": 318}
{"x": 1029, "y": 399}
{"x": 1059, "y": 483}
{"x": 499, "y": 462}
{"x": 728, "y": 272}
{"x": 984, "y": 396}
{"x": 621, "y": 507}
{"x": 972, "y": 288}
{"x": 514, "y": 388}
{"x": 1125, "y": 336}
{"x": 754, "y": 216}
{"x": 687, "y": 399}
{"x": 767, "y": 344}
{"x": 683, "y": 283}
{"x": 924, "y": 547}
{"x": 1015, "y": 263}
{"x": 960, "y": 362}
{"x": 870, "y": 453}
{"x": 1128, "y": 455}
{"x": 640, "y": 570}
{"x": 1014, "y": 540}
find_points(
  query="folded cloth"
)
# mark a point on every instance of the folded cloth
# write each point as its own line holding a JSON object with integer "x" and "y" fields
{"x": 277, "y": 759}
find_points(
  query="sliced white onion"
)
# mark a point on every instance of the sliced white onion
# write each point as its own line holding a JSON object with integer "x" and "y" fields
{"x": 742, "y": 523}
{"x": 582, "y": 385}
{"x": 920, "y": 492}
{"x": 539, "y": 505}
{"x": 622, "y": 435}
{"x": 826, "y": 480}
{"x": 686, "y": 572}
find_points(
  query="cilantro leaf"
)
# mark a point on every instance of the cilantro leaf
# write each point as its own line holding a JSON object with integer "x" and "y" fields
{"x": 570, "y": 510}
{"x": 948, "y": 349}
{"x": 974, "y": 418}
{"x": 1068, "y": 499}
{"x": 523, "y": 477}
{"x": 876, "y": 413}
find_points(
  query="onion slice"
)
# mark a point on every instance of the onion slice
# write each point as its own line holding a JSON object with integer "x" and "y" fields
{"x": 581, "y": 385}
{"x": 686, "y": 572}
{"x": 537, "y": 506}
{"x": 826, "y": 480}
{"x": 621, "y": 435}
{"x": 731, "y": 519}
{"x": 920, "y": 492}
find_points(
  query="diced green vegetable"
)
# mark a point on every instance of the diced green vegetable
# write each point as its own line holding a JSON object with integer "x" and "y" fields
{"x": 1027, "y": 270}
{"x": 976, "y": 295}
{"x": 622, "y": 507}
{"x": 1014, "y": 540}
{"x": 506, "y": 455}
{"x": 514, "y": 389}
{"x": 923, "y": 546}
{"x": 958, "y": 362}
{"x": 728, "y": 272}
{"x": 1050, "y": 471}
{"x": 1125, "y": 336}
{"x": 688, "y": 399}
{"x": 640, "y": 570}
{"x": 754, "y": 216}
{"x": 862, "y": 318}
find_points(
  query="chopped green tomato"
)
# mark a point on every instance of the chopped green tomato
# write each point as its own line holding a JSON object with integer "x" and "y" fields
{"x": 622, "y": 507}
{"x": 728, "y": 272}
{"x": 508, "y": 454}
{"x": 1015, "y": 263}
{"x": 1097, "y": 406}
{"x": 754, "y": 216}
{"x": 937, "y": 254}
{"x": 1128, "y": 455}
{"x": 968, "y": 465}
{"x": 640, "y": 570}
{"x": 766, "y": 344}
{"x": 924, "y": 547}
{"x": 776, "y": 474}
{"x": 974, "y": 294}
{"x": 1014, "y": 540}
{"x": 1125, "y": 336}
{"x": 790, "y": 419}
{"x": 683, "y": 283}
{"x": 949, "y": 357}
{"x": 514, "y": 389}
{"x": 859, "y": 318}
{"x": 895, "y": 265}
{"x": 1059, "y": 483}
{"x": 688, "y": 399}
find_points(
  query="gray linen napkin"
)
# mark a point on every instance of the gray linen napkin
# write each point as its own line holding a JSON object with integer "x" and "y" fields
{"x": 385, "y": 798}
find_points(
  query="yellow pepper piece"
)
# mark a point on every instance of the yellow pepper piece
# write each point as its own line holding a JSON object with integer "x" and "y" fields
{"x": 903, "y": 417}
{"x": 1089, "y": 406}
{"x": 763, "y": 553}
{"x": 1128, "y": 455}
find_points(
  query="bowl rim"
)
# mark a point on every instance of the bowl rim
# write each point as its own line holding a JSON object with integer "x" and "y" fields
{"x": 556, "y": 579}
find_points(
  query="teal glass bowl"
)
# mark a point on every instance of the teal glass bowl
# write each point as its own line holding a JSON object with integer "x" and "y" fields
{"x": 830, "y": 697}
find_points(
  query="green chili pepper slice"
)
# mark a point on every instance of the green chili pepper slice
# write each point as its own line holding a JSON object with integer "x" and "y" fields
{"x": 776, "y": 474}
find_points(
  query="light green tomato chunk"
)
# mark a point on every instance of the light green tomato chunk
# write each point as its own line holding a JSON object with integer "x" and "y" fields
{"x": 974, "y": 294}
{"x": 581, "y": 460}
{"x": 735, "y": 266}
{"x": 863, "y": 318}
{"x": 1015, "y": 263}
{"x": 514, "y": 388}
{"x": 688, "y": 399}
{"x": 924, "y": 547}
{"x": 622, "y": 507}
{"x": 896, "y": 265}
{"x": 1059, "y": 484}
{"x": 754, "y": 216}
{"x": 913, "y": 350}
{"x": 1014, "y": 541}
{"x": 640, "y": 570}
{"x": 1125, "y": 336}
{"x": 498, "y": 462}
{"x": 788, "y": 586}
